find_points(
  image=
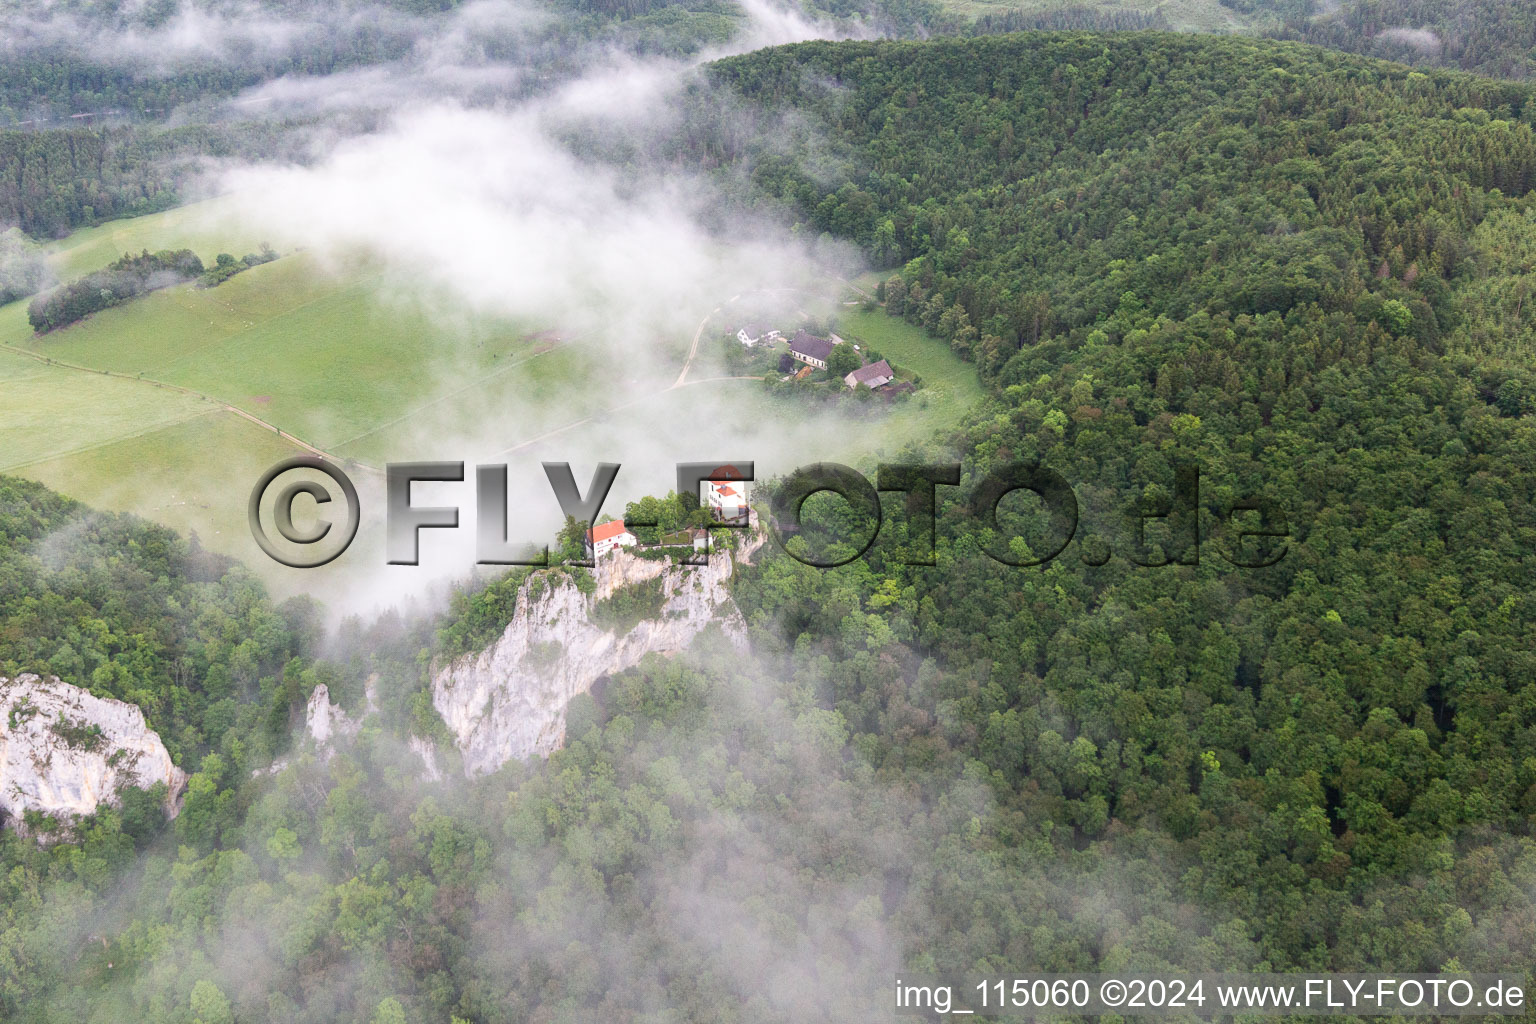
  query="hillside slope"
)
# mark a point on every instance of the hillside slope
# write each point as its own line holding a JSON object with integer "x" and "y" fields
{"x": 1298, "y": 272}
{"x": 1488, "y": 37}
{"x": 1197, "y": 172}
{"x": 1302, "y": 273}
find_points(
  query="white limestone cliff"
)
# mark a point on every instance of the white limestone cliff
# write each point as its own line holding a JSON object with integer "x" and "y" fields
{"x": 324, "y": 723}
{"x": 69, "y": 770}
{"x": 329, "y": 728}
{"x": 324, "y": 720}
{"x": 425, "y": 750}
{"x": 509, "y": 700}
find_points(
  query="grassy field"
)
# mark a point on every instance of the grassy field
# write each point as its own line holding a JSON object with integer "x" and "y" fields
{"x": 328, "y": 359}
{"x": 949, "y": 382}
{"x": 208, "y": 228}
{"x": 191, "y": 475}
{"x": 49, "y": 411}
{"x": 139, "y": 408}
{"x": 131, "y": 409}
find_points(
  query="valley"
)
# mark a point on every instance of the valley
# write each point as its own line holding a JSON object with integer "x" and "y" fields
{"x": 1239, "y": 292}
{"x": 199, "y": 390}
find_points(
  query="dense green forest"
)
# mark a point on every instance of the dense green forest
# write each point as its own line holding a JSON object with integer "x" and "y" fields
{"x": 58, "y": 172}
{"x": 1302, "y": 272}
{"x": 83, "y": 140}
{"x": 1068, "y": 19}
{"x": 1002, "y": 196}
{"x": 1288, "y": 281}
{"x": 134, "y": 612}
{"x": 56, "y": 180}
{"x": 55, "y": 83}
{"x": 1490, "y": 37}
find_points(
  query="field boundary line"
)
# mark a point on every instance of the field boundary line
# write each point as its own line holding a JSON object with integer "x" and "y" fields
{"x": 193, "y": 392}
{"x": 108, "y": 441}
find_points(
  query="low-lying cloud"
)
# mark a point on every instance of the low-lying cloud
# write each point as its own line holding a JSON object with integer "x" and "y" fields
{"x": 487, "y": 194}
{"x": 158, "y": 41}
{"x": 491, "y": 201}
{"x": 1422, "y": 39}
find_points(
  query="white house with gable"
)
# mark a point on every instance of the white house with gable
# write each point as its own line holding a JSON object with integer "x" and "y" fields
{"x": 604, "y": 537}
{"x": 727, "y": 500}
{"x": 755, "y": 334}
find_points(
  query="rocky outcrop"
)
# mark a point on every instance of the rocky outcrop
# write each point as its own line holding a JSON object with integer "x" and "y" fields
{"x": 325, "y": 721}
{"x": 64, "y": 752}
{"x": 329, "y": 728}
{"x": 509, "y": 700}
{"x": 425, "y": 750}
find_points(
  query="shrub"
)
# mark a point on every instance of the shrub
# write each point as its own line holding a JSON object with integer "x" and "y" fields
{"x": 120, "y": 281}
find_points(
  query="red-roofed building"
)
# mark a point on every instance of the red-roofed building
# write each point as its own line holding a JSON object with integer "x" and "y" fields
{"x": 604, "y": 537}
{"x": 727, "y": 501}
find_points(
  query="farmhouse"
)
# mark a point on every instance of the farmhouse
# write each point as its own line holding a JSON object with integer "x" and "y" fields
{"x": 811, "y": 350}
{"x": 604, "y": 537}
{"x": 755, "y": 334}
{"x": 727, "y": 501}
{"x": 875, "y": 375}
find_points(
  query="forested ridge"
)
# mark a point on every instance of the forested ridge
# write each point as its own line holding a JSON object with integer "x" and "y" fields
{"x": 135, "y": 613}
{"x": 86, "y": 139}
{"x": 1304, "y": 273}
{"x": 1490, "y": 37}
{"x": 56, "y": 180}
{"x": 83, "y": 141}
{"x": 1296, "y": 271}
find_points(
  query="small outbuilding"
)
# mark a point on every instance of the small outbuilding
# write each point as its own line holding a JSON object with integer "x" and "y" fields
{"x": 875, "y": 375}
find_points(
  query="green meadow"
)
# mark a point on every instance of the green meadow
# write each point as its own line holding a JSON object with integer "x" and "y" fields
{"x": 327, "y": 358}
{"x": 139, "y": 408}
{"x": 134, "y": 408}
{"x": 948, "y": 380}
{"x": 192, "y": 475}
{"x": 207, "y": 227}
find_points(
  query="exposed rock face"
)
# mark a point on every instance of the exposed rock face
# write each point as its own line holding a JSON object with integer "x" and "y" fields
{"x": 509, "y": 700}
{"x": 324, "y": 720}
{"x": 329, "y": 726}
{"x": 326, "y": 724}
{"x": 425, "y": 750}
{"x": 69, "y": 771}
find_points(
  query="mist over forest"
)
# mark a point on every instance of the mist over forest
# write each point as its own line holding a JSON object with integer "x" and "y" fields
{"x": 1279, "y": 720}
